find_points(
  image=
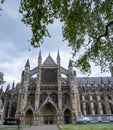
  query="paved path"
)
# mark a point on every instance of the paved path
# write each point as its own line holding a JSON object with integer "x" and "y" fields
{"x": 43, "y": 127}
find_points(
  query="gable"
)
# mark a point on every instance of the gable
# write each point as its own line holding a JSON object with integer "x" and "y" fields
{"x": 49, "y": 63}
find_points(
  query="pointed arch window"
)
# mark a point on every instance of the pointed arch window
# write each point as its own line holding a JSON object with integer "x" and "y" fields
{"x": 54, "y": 97}
{"x": 65, "y": 99}
{"x": 88, "y": 111}
{"x": 104, "y": 108}
{"x": 31, "y": 99}
{"x": 7, "y": 109}
{"x": 95, "y": 108}
{"x": 13, "y": 109}
{"x": 43, "y": 97}
{"x": 15, "y": 97}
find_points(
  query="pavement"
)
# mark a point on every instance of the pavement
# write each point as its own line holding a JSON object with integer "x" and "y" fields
{"x": 42, "y": 127}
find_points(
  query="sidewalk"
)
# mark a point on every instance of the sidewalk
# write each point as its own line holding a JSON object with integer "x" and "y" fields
{"x": 43, "y": 127}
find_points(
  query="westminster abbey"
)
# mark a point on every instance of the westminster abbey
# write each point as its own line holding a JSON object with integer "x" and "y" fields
{"x": 51, "y": 94}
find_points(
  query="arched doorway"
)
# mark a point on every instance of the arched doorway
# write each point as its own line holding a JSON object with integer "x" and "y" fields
{"x": 29, "y": 117}
{"x": 67, "y": 116}
{"x": 48, "y": 114}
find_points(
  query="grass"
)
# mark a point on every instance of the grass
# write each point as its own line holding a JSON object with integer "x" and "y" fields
{"x": 87, "y": 127}
{"x": 13, "y": 127}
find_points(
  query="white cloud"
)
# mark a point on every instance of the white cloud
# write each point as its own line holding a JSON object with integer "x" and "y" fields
{"x": 14, "y": 49}
{"x": 11, "y": 9}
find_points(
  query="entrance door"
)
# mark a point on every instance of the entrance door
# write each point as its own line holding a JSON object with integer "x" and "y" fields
{"x": 29, "y": 117}
{"x": 48, "y": 119}
{"x": 45, "y": 119}
{"x": 67, "y": 116}
{"x": 66, "y": 119}
{"x": 48, "y": 114}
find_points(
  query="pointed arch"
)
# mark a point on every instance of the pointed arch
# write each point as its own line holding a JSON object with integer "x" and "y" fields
{"x": 48, "y": 114}
{"x": 13, "y": 109}
{"x": 31, "y": 100}
{"x": 94, "y": 97}
{"x": 15, "y": 96}
{"x": 48, "y": 100}
{"x": 29, "y": 108}
{"x": 104, "y": 108}
{"x": 29, "y": 116}
{"x": 54, "y": 97}
{"x": 43, "y": 97}
{"x": 67, "y": 107}
{"x": 87, "y": 97}
{"x": 88, "y": 110}
{"x": 9, "y": 96}
{"x": 111, "y": 107}
{"x": 65, "y": 99}
{"x": 67, "y": 116}
{"x": 96, "y": 108}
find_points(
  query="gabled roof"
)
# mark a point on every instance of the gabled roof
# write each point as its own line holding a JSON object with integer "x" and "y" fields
{"x": 96, "y": 80}
{"x": 49, "y": 63}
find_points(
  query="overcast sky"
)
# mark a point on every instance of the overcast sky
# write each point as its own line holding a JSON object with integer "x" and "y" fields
{"x": 14, "y": 48}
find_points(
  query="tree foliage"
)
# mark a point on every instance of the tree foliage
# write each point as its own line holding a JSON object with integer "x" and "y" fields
{"x": 1, "y": 2}
{"x": 1, "y": 78}
{"x": 87, "y": 26}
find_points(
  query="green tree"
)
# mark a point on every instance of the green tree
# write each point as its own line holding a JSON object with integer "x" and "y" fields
{"x": 1, "y": 78}
{"x": 87, "y": 26}
{"x": 1, "y": 2}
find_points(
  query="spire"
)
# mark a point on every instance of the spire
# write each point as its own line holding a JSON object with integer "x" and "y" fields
{"x": 27, "y": 64}
{"x": 13, "y": 85}
{"x": 102, "y": 81}
{"x": 109, "y": 81}
{"x": 22, "y": 73}
{"x": 40, "y": 57}
{"x": 49, "y": 62}
{"x": 8, "y": 87}
{"x": 58, "y": 56}
{"x": 70, "y": 63}
{"x": 58, "y": 59}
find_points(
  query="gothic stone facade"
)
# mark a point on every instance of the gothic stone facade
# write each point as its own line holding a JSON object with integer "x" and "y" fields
{"x": 50, "y": 94}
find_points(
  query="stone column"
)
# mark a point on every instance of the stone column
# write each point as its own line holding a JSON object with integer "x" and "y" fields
{"x": 78, "y": 104}
{"x": 59, "y": 88}
{"x": 84, "y": 105}
{"x": 25, "y": 99}
{"x": 99, "y": 105}
{"x": 37, "y": 94}
{"x": 107, "y": 105}
{"x": 92, "y": 105}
